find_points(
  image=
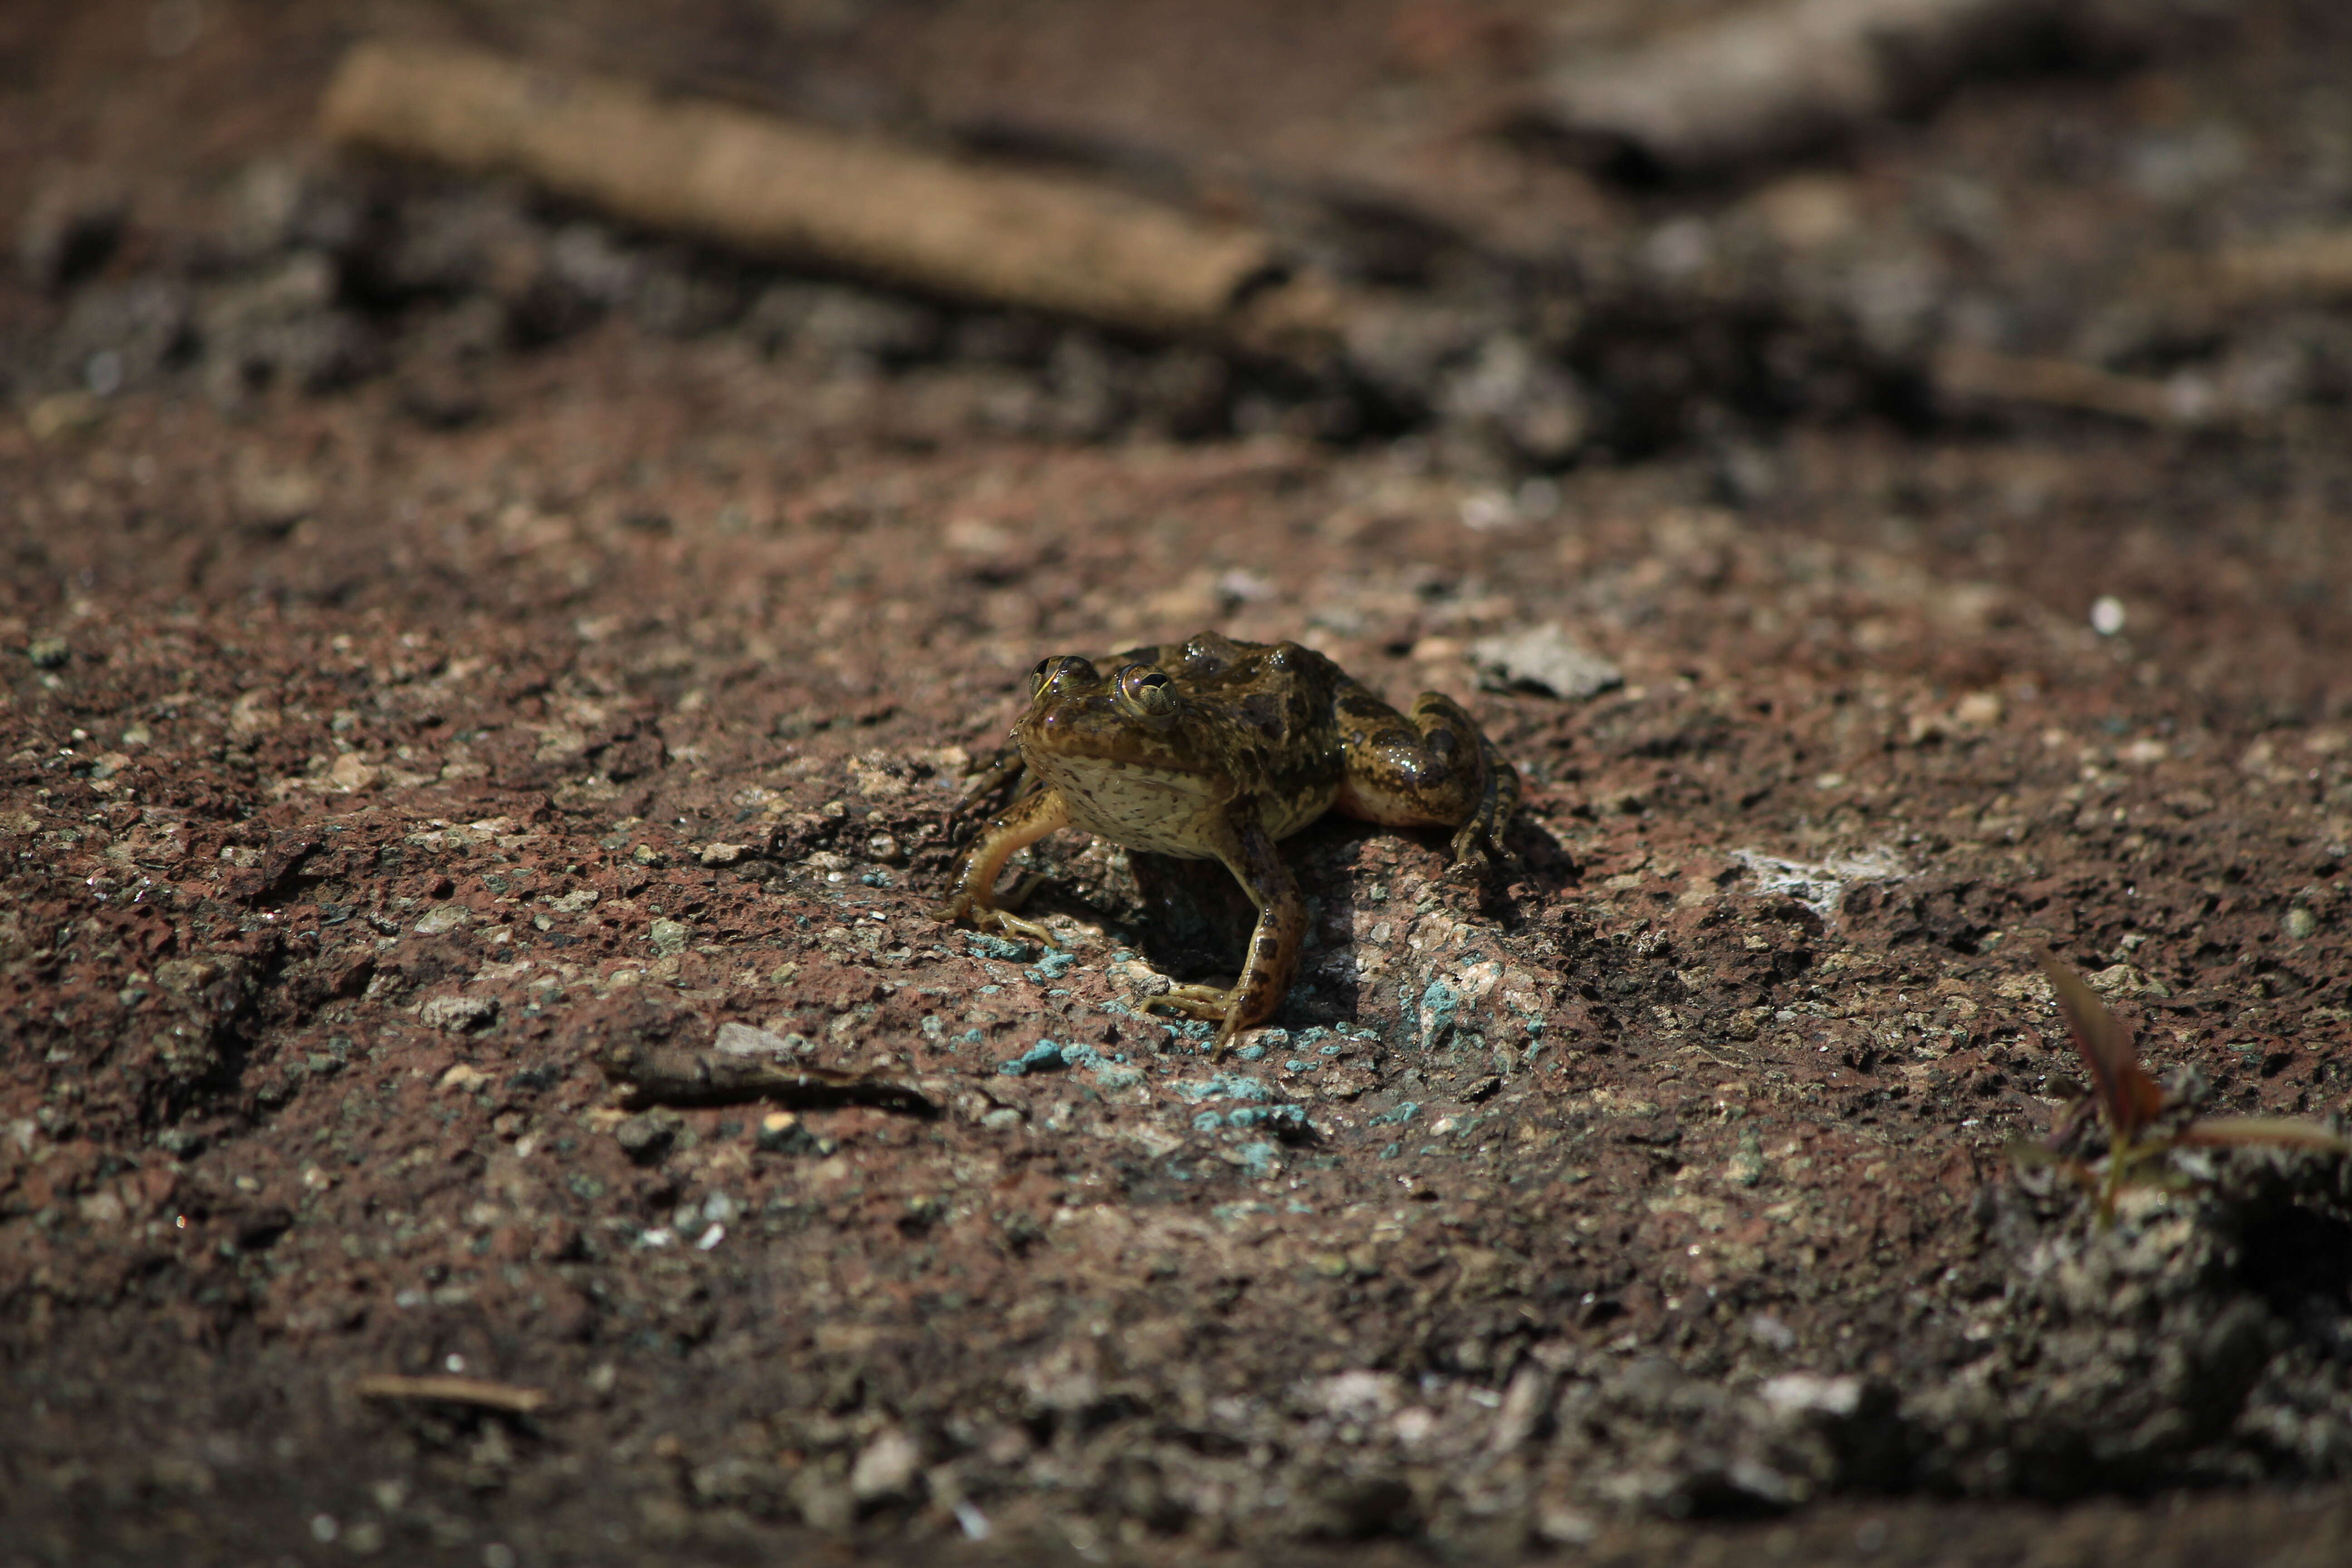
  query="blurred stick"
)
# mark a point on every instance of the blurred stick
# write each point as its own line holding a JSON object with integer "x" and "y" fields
{"x": 1973, "y": 374}
{"x": 501, "y": 1397}
{"x": 2301, "y": 269}
{"x": 1771, "y": 79}
{"x": 767, "y": 187}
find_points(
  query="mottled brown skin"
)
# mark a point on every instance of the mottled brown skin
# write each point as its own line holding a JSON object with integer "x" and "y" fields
{"x": 1215, "y": 750}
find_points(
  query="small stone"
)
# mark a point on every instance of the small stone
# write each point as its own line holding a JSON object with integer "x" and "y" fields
{"x": 1747, "y": 1166}
{"x": 2300, "y": 923}
{"x": 1978, "y": 710}
{"x": 2128, "y": 980}
{"x": 1796, "y": 1394}
{"x": 442, "y": 919}
{"x": 1543, "y": 658}
{"x": 743, "y": 1041}
{"x": 352, "y": 773}
{"x": 48, "y": 653}
{"x": 885, "y": 1469}
{"x": 645, "y": 1139}
{"x": 670, "y": 936}
{"x": 722, "y": 853}
{"x": 458, "y": 1014}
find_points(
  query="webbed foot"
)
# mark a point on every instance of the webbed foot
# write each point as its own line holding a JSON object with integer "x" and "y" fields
{"x": 994, "y": 920}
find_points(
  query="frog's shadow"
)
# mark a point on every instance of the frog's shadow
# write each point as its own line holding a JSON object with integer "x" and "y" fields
{"x": 1194, "y": 922}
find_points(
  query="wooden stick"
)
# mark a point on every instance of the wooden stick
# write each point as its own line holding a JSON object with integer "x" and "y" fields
{"x": 770, "y": 188}
{"x": 1972, "y": 373}
{"x": 2314, "y": 267}
{"x": 501, "y": 1397}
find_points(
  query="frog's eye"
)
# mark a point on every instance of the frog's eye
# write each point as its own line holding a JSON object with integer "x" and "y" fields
{"x": 1052, "y": 667}
{"x": 1146, "y": 691}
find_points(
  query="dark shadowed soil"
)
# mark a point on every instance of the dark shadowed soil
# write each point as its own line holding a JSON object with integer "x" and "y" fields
{"x": 413, "y": 693}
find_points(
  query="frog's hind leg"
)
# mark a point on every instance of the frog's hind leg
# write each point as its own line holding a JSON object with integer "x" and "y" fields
{"x": 1430, "y": 770}
{"x": 1024, "y": 823}
{"x": 1250, "y": 854}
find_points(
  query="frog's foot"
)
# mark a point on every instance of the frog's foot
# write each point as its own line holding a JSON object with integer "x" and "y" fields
{"x": 1003, "y": 922}
{"x": 1472, "y": 864}
{"x": 996, "y": 922}
{"x": 1477, "y": 859}
{"x": 1213, "y": 1003}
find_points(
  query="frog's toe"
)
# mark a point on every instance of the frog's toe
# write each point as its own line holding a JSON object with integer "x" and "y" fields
{"x": 1002, "y": 924}
{"x": 1477, "y": 856}
{"x": 1472, "y": 866}
{"x": 1213, "y": 1002}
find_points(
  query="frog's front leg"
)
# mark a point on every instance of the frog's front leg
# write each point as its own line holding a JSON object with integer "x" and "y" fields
{"x": 1432, "y": 769}
{"x": 1023, "y": 823}
{"x": 1249, "y": 853}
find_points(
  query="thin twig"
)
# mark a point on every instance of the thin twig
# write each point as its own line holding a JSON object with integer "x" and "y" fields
{"x": 506, "y": 1397}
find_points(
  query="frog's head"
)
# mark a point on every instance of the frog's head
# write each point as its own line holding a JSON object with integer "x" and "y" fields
{"x": 1135, "y": 713}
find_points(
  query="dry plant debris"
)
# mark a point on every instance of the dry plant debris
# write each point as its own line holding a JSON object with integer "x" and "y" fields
{"x": 803, "y": 193}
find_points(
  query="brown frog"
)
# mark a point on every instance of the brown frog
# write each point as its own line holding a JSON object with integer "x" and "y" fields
{"x": 1214, "y": 750}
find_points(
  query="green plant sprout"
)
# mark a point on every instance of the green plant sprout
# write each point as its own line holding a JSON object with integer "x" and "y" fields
{"x": 2142, "y": 1128}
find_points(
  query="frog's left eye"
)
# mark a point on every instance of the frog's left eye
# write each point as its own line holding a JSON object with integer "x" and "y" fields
{"x": 1149, "y": 691}
{"x": 1054, "y": 667}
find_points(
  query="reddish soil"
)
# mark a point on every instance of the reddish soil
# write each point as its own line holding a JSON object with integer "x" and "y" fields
{"x": 366, "y": 768}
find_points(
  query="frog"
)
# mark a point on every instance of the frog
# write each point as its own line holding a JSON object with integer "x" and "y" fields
{"x": 1215, "y": 748}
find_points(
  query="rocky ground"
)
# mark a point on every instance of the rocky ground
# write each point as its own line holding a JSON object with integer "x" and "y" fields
{"x": 451, "y": 642}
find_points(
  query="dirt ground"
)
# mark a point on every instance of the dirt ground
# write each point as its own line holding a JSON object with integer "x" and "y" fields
{"x": 417, "y": 683}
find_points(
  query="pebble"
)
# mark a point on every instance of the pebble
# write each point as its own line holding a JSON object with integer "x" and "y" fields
{"x": 442, "y": 919}
{"x": 886, "y": 1467}
{"x": 458, "y": 1014}
{"x": 1543, "y": 658}
{"x": 644, "y": 1139}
